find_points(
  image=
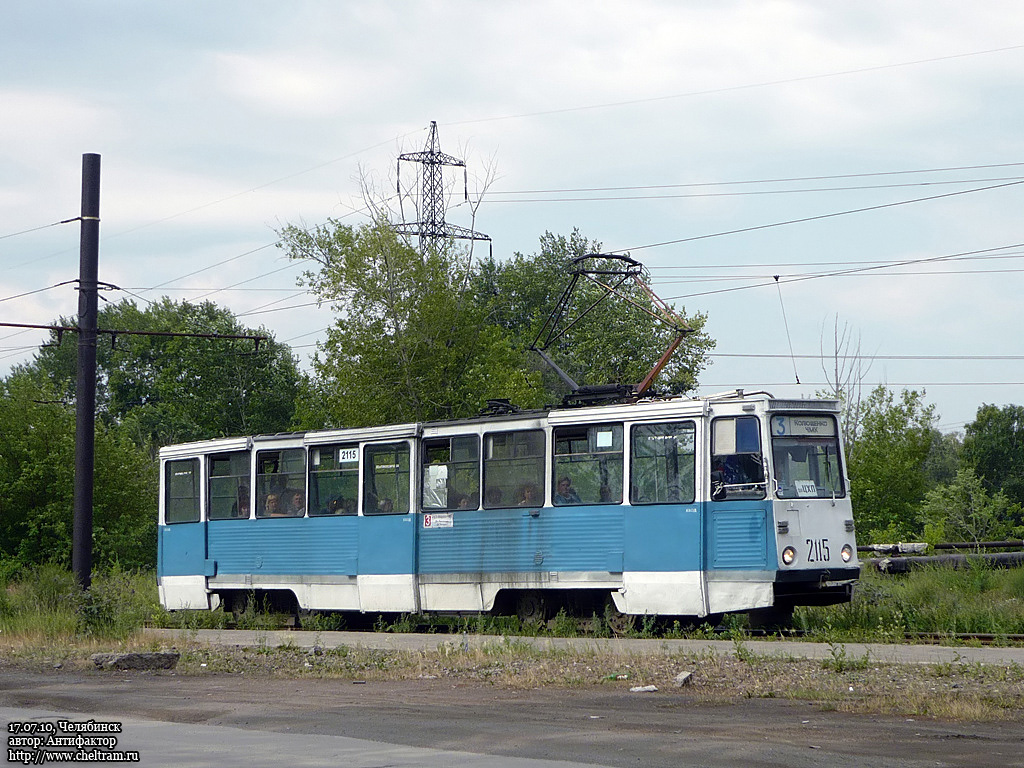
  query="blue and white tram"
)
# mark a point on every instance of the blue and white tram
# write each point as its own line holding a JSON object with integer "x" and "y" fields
{"x": 674, "y": 507}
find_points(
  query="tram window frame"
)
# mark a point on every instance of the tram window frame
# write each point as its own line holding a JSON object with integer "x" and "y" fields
{"x": 514, "y": 464}
{"x": 337, "y": 466}
{"x": 733, "y": 460}
{"x": 458, "y": 486}
{"x": 801, "y": 437}
{"x": 238, "y": 466}
{"x": 269, "y": 481}
{"x": 680, "y": 482}
{"x": 578, "y": 450}
{"x": 173, "y": 502}
{"x": 402, "y": 463}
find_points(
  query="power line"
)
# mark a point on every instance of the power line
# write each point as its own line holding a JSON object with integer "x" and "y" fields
{"x": 620, "y": 198}
{"x": 44, "y": 226}
{"x": 780, "y": 356}
{"x": 775, "y": 265}
{"x": 748, "y": 86}
{"x": 796, "y": 276}
{"x": 38, "y": 290}
{"x": 845, "y": 272}
{"x": 815, "y": 218}
{"x": 763, "y": 181}
{"x": 922, "y": 384}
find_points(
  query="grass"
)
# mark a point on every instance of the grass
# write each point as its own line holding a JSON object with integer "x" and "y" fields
{"x": 45, "y": 605}
{"x": 978, "y": 600}
{"x": 46, "y": 622}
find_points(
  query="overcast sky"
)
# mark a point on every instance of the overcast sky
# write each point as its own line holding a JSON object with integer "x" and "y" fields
{"x": 679, "y": 131}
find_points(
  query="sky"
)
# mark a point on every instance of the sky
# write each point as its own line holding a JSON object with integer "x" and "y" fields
{"x": 867, "y": 152}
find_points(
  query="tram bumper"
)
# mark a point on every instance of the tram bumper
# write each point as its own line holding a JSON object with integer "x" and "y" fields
{"x": 819, "y": 586}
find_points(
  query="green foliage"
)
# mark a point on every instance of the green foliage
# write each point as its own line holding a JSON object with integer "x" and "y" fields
{"x": 410, "y": 343}
{"x": 48, "y": 603}
{"x": 150, "y": 391}
{"x": 614, "y": 343}
{"x": 979, "y": 599}
{"x": 37, "y": 461}
{"x": 119, "y": 603}
{"x": 943, "y": 458}
{"x": 964, "y": 511}
{"x": 168, "y": 389}
{"x": 994, "y": 449}
{"x": 887, "y": 463}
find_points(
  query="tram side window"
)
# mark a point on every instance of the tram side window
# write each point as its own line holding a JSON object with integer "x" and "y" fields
{"x": 281, "y": 483}
{"x": 805, "y": 455}
{"x": 737, "y": 469}
{"x": 451, "y": 473}
{"x": 514, "y": 469}
{"x": 663, "y": 462}
{"x": 229, "y": 486}
{"x": 386, "y": 479}
{"x": 588, "y": 465}
{"x": 333, "y": 479}
{"x": 181, "y": 484}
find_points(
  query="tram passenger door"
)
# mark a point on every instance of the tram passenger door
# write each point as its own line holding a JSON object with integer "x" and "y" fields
{"x": 387, "y": 530}
{"x": 737, "y": 565}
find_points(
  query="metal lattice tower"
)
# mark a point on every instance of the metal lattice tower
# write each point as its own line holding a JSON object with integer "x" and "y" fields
{"x": 432, "y": 226}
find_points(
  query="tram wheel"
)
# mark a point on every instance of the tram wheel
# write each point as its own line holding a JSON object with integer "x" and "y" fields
{"x": 619, "y": 623}
{"x": 531, "y": 607}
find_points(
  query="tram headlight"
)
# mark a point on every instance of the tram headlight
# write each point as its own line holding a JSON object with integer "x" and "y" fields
{"x": 788, "y": 555}
{"x": 846, "y": 553}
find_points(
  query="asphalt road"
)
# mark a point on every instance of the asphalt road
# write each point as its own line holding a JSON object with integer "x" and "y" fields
{"x": 227, "y": 720}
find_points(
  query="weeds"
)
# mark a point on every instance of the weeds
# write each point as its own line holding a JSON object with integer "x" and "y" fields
{"x": 47, "y": 606}
{"x": 839, "y": 661}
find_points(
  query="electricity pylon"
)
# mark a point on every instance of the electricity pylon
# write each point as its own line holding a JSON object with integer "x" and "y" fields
{"x": 432, "y": 225}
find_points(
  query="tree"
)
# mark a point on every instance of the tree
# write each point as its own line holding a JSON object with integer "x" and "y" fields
{"x": 410, "y": 343}
{"x": 943, "y": 460}
{"x": 886, "y": 463}
{"x": 994, "y": 449}
{"x": 964, "y": 511}
{"x": 614, "y": 343}
{"x": 37, "y": 467}
{"x": 163, "y": 389}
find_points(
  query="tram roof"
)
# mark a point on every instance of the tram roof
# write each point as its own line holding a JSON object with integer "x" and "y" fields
{"x": 651, "y": 407}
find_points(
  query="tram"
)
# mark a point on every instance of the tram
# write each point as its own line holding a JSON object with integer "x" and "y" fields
{"x": 671, "y": 507}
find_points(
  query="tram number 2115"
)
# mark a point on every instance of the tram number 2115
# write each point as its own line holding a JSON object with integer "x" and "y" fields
{"x": 817, "y": 550}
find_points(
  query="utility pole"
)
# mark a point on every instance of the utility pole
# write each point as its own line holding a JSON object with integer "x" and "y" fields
{"x": 85, "y": 390}
{"x": 432, "y": 226}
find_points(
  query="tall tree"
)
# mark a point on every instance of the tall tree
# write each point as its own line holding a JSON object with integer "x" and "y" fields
{"x": 410, "y": 343}
{"x": 614, "y": 343}
{"x": 164, "y": 389}
{"x": 994, "y": 448}
{"x": 37, "y": 461}
{"x": 887, "y": 463}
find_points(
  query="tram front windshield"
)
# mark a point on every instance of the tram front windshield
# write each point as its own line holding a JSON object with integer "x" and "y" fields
{"x": 805, "y": 454}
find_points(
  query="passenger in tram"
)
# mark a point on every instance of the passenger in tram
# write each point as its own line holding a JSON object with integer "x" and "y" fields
{"x": 296, "y": 504}
{"x": 272, "y": 506}
{"x": 241, "y": 507}
{"x": 529, "y": 496}
{"x": 566, "y": 493}
{"x": 493, "y": 497}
